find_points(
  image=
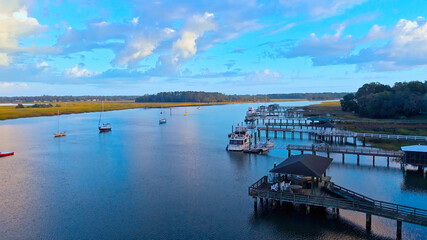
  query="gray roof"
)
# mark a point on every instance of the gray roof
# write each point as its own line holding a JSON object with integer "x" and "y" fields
{"x": 304, "y": 165}
{"x": 415, "y": 148}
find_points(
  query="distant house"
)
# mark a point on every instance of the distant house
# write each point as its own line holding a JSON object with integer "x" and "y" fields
{"x": 415, "y": 155}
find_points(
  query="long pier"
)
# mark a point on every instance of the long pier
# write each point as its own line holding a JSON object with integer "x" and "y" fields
{"x": 341, "y": 136}
{"x": 338, "y": 136}
{"x": 346, "y": 150}
{"x": 337, "y": 197}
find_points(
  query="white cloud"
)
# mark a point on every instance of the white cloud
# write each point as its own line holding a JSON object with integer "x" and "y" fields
{"x": 405, "y": 47}
{"x": 12, "y": 85}
{"x": 319, "y": 8}
{"x": 14, "y": 25}
{"x": 78, "y": 71}
{"x": 196, "y": 26}
{"x": 266, "y": 76}
{"x": 325, "y": 46}
{"x": 135, "y": 20}
{"x": 141, "y": 46}
{"x": 42, "y": 64}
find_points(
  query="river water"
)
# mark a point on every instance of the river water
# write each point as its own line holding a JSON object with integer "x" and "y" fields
{"x": 143, "y": 180}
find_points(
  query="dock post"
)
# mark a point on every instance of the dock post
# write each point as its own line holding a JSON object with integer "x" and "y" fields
{"x": 255, "y": 137}
{"x": 358, "y": 159}
{"x": 399, "y": 230}
{"x": 364, "y": 142}
{"x": 354, "y": 141}
{"x": 275, "y": 134}
{"x": 293, "y": 135}
{"x": 327, "y": 152}
{"x": 388, "y": 161}
{"x": 255, "y": 203}
{"x": 368, "y": 222}
{"x": 259, "y": 134}
{"x": 289, "y": 153}
{"x": 302, "y": 152}
{"x": 343, "y": 158}
{"x": 266, "y": 133}
{"x": 373, "y": 160}
{"x": 338, "y": 211}
{"x": 300, "y": 135}
{"x": 314, "y": 153}
{"x": 284, "y": 134}
{"x": 309, "y": 136}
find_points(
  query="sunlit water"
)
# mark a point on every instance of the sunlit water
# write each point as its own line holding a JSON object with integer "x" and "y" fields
{"x": 174, "y": 181}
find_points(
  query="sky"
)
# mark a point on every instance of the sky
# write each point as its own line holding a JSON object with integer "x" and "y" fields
{"x": 132, "y": 47}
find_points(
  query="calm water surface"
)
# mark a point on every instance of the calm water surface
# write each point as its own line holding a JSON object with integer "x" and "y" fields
{"x": 174, "y": 181}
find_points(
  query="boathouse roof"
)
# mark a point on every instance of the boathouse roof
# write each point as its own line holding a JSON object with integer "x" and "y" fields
{"x": 320, "y": 119}
{"x": 304, "y": 165}
{"x": 415, "y": 148}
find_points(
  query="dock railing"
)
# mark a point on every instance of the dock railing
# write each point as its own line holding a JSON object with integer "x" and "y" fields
{"x": 347, "y": 150}
{"x": 369, "y": 205}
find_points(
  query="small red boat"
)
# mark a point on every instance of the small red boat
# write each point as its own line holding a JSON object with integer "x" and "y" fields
{"x": 4, "y": 154}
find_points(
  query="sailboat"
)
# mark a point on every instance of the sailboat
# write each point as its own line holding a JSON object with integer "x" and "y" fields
{"x": 185, "y": 114}
{"x": 105, "y": 127}
{"x": 198, "y": 108}
{"x": 58, "y": 133}
{"x": 162, "y": 119}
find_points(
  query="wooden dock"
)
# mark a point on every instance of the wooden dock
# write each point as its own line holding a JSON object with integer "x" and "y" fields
{"x": 346, "y": 150}
{"x": 338, "y": 136}
{"x": 337, "y": 197}
{"x": 342, "y": 136}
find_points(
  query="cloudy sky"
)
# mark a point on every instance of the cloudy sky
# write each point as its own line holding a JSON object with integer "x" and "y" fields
{"x": 132, "y": 47}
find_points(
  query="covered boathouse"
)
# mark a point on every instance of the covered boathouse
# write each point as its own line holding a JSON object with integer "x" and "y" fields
{"x": 301, "y": 180}
{"x": 415, "y": 155}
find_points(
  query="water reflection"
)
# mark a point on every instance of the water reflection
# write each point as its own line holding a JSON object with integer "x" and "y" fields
{"x": 414, "y": 181}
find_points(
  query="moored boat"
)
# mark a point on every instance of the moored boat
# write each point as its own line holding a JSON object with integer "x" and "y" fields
{"x": 162, "y": 119}
{"x": 239, "y": 138}
{"x": 4, "y": 154}
{"x": 104, "y": 127}
{"x": 58, "y": 133}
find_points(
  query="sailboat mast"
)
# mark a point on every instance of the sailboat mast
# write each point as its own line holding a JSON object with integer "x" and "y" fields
{"x": 102, "y": 112}
{"x": 58, "y": 120}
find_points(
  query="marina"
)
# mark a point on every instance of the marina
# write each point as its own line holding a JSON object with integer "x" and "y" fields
{"x": 86, "y": 172}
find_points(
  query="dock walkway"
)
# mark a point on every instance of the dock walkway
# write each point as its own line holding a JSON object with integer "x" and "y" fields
{"x": 342, "y": 198}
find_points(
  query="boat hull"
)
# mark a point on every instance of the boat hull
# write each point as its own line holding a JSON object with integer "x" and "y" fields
{"x": 4, "y": 154}
{"x": 104, "y": 129}
{"x": 162, "y": 121}
{"x": 63, "y": 134}
{"x": 237, "y": 148}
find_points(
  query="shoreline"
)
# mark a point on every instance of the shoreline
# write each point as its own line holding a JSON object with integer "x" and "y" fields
{"x": 9, "y": 112}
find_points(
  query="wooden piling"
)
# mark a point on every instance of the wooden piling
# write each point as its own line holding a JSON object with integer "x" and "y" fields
{"x": 368, "y": 222}
{"x": 399, "y": 230}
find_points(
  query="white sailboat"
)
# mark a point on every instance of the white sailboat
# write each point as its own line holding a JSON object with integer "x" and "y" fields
{"x": 162, "y": 119}
{"x": 58, "y": 133}
{"x": 104, "y": 127}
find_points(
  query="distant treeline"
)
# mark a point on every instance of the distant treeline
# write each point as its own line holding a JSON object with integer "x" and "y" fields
{"x": 46, "y": 98}
{"x": 186, "y": 96}
{"x": 191, "y": 96}
{"x": 376, "y": 100}
{"x": 309, "y": 96}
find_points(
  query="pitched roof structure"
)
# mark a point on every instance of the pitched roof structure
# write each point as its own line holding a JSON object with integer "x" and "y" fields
{"x": 304, "y": 165}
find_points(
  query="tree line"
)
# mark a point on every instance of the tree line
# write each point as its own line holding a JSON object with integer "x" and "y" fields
{"x": 376, "y": 100}
{"x": 179, "y": 96}
{"x": 194, "y": 96}
{"x": 47, "y": 98}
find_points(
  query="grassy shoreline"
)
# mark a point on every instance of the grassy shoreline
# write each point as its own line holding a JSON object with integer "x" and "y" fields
{"x": 11, "y": 112}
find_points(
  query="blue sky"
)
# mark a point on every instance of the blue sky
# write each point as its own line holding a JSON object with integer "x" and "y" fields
{"x": 83, "y": 47}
